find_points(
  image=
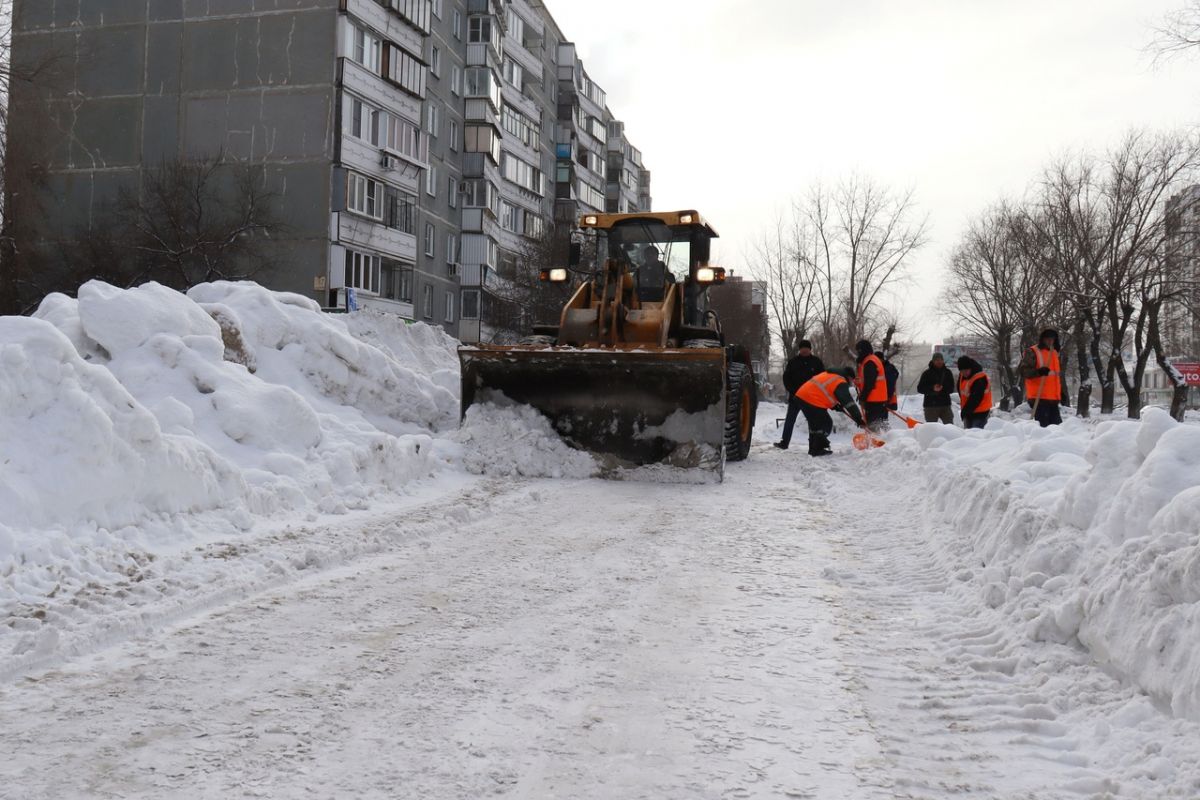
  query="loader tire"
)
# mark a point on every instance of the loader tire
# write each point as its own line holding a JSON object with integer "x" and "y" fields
{"x": 740, "y": 412}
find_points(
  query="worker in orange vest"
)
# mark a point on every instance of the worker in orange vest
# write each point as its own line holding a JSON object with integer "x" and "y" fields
{"x": 872, "y": 386}
{"x": 818, "y": 396}
{"x": 1042, "y": 370}
{"x": 974, "y": 393}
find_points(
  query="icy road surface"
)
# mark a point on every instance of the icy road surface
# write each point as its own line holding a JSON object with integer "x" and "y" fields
{"x": 788, "y": 634}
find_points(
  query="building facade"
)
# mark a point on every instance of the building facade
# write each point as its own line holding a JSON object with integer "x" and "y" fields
{"x": 418, "y": 151}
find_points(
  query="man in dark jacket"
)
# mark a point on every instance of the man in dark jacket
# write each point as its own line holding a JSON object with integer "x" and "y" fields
{"x": 936, "y": 384}
{"x": 872, "y": 386}
{"x": 799, "y": 371}
{"x": 974, "y": 393}
{"x": 1042, "y": 370}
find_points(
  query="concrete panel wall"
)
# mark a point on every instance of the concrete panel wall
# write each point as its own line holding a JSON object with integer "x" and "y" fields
{"x": 135, "y": 83}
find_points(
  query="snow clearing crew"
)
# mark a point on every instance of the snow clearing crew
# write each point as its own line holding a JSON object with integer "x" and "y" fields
{"x": 974, "y": 393}
{"x": 872, "y": 387}
{"x": 1042, "y": 370}
{"x": 826, "y": 392}
{"x": 801, "y": 368}
{"x": 937, "y": 384}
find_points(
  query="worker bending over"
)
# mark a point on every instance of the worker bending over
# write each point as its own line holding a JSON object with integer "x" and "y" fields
{"x": 826, "y": 392}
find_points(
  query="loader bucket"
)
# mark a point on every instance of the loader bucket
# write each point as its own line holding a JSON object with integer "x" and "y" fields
{"x": 630, "y": 408}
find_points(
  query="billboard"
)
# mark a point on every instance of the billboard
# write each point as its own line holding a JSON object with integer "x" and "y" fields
{"x": 1190, "y": 370}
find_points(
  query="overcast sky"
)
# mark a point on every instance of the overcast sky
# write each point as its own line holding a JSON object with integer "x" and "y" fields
{"x": 738, "y": 105}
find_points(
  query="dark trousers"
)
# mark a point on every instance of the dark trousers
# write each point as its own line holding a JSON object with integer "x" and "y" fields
{"x": 877, "y": 416}
{"x": 942, "y": 414}
{"x": 789, "y": 424}
{"x": 976, "y": 421}
{"x": 818, "y": 419}
{"x": 1048, "y": 413}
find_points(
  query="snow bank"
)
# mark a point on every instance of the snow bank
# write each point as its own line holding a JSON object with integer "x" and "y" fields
{"x": 1082, "y": 533}
{"x": 138, "y": 421}
{"x": 510, "y": 441}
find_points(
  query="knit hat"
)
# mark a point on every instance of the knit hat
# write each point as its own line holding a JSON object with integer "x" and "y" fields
{"x": 864, "y": 348}
{"x": 938, "y": 357}
{"x": 803, "y": 344}
{"x": 965, "y": 362}
{"x": 1049, "y": 333}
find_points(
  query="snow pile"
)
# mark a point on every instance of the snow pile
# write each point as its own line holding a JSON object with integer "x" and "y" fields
{"x": 429, "y": 350}
{"x": 510, "y": 441}
{"x": 1083, "y": 533}
{"x": 136, "y": 421}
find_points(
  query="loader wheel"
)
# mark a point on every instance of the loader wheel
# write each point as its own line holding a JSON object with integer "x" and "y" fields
{"x": 740, "y": 412}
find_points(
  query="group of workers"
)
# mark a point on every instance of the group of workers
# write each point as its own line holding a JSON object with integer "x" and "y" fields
{"x": 815, "y": 391}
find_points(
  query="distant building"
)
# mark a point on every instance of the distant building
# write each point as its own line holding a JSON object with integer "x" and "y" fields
{"x": 1181, "y": 325}
{"x": 415, "y": 147}
{"x": 741, "y": 306}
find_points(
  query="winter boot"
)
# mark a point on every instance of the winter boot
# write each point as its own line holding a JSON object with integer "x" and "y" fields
{"x": 818, "y": 445}
{"x": 781, "y": 445}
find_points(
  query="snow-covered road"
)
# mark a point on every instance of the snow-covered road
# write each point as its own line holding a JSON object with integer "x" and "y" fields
{"x": 790, "y": 633}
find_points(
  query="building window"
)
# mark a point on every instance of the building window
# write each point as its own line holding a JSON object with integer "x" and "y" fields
{"x": 456, "y": 80}
{"x": 458, "y": 25}
{"x": 366, "y": 49}
{"x": 362, "y": 271}
{"x": 396, "y": 281}
{"x": 430, "y": 242}
{"x": 516, "y": 25}
{"x": 483, "y": 139}
{"x": 454, "y": 135}
{"x": 364, "y": 196}
{"x": 432, "y": 119}
{"x": 363, "y": 121}
{"x": 427, "y": 301}
{"x": 470, "y": 304}
{"x": 481, "y": 193}
{"x": 431, "y": 177}
{"x": 449, "y": 307}
{"x": 415, "y": 12}
{"x": 514, "y": 75}
{"x": 451, "y": 248}
{"x": 406, "y": 71}
{"x": 437, "y": 8}
{"x": 401, "y": 210}
{"x": 479, "y": 30}
{"x": 404, "y": 137}
{"x": 521, "y": 126}
{"x": 452, "y": 191}
{"x": 523, "y": 174}
{"x": 508, "y": 216}
{"x": 435, "y": 61}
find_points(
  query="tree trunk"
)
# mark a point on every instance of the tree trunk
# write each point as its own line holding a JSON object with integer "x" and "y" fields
{"x": 1083, "y": 402}
{"x": 1179, "y": 397}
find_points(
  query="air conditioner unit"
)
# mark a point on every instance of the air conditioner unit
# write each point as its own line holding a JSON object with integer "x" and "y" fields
{"x": 388, "y": 162}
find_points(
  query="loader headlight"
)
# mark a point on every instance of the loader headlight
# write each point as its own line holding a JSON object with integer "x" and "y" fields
{"x": 556, "y": 275}
{"x": 686, "y": 219}
{"x": 710, "y": 275}
{"x": 591, "y": 219}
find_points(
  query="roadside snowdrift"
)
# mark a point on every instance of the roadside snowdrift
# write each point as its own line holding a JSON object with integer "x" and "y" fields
{"x": 1084, "y": 533}
{"x": 137, "y": 422}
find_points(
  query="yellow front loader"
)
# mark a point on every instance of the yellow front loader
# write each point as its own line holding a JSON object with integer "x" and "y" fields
{"x": 637, "y": 370}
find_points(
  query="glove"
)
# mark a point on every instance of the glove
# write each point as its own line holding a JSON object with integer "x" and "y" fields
{"x": 1043, "y": 371}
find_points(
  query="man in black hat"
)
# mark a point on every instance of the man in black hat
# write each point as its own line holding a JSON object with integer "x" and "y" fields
{"x": 800, "y": 369}
{"x": 1042, "y": 371}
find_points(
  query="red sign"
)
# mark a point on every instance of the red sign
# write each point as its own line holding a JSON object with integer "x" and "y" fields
{"x": 1190, "y": 370}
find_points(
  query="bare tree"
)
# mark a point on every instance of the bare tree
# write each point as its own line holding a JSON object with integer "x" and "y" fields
{"x": 1179, "y": 32}
{"x": 189, "y": 221}
{"x": 831, "y": 269}
{"x": 517, "y": 299}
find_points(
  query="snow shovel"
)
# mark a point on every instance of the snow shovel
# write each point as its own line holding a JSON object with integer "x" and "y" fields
{"x": 909, "y": 421}
{"x": 863, "y": 440}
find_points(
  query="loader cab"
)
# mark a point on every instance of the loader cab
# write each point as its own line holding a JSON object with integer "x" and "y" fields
{"x": 660, "y": 251}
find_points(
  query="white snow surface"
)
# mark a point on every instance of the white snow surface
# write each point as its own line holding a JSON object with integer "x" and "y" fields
{"x": 136, "y": 422}
{"x": 193, "y": 484}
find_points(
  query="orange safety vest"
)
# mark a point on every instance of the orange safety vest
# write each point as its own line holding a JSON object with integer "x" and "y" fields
{"x": 879, "y": 394}
{"x": 820, "y": 391}
{"x": 964, "y": 392}
{"x": 1049, "y": 387}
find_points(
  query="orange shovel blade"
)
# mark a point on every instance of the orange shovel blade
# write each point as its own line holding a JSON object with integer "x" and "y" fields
{"x": 863, "y": 441}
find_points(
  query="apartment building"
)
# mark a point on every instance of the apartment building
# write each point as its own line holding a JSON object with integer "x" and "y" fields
{"x": 417, "y": 150}
{"x": 1180, "y": 324}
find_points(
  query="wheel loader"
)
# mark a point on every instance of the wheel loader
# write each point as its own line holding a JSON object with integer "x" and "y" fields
{"x": 637, "y": 369}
